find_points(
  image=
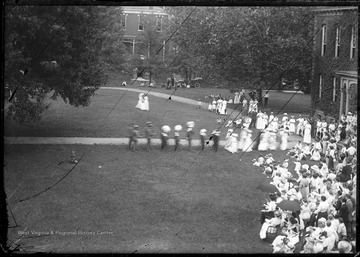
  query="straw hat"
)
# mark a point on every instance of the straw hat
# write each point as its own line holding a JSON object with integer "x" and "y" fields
{"x": 190, "y": 124}
{"x": 178, "y": 128}
{"x": 203, "y": 130}
{"x": 344, "y": 246}
{"x": 166, "y": 129}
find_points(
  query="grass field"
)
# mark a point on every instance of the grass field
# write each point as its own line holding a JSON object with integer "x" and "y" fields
{"x": 104, "y": 118}
{"x": 300, "y": 103}
{"x": 153, "y": 201}
{"x": 143, "y": 202}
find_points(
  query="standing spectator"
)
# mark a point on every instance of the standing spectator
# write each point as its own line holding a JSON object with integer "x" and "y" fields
{"x": 149, "y": 132}
{"x": 130, "y": 132}
{"x": 172, "y": 81}
{"x": 202, "y": 138}
{"x": 215, "y": 136}
{"x": 199, "y": 104}
{"x": 136, "y": 134}
{"x": 266, "y": 98}
{"x": 177, "y": 128}
{"x": 189, "y": 132}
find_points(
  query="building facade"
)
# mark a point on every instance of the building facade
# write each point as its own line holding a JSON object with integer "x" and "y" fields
{"x": 335, "y": 65}
{"x": 135, "y": 21}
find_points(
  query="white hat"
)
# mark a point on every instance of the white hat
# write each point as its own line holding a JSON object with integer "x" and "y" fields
{"x": 345, "y": 246}
{"x": 166, "y": 129}
{"x": 203, "y": 130}
{"x": 305, "y": 166}
{"x": 315, "y": 167}
{"x": 235, "y": 135}
{"x": 178, "y": 128}
{"x": 285, "y": 113}
{"x": 190, "y": 124}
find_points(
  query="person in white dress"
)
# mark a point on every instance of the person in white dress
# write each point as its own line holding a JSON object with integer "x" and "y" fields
{"x": 271, "y": 118}
{"x": 140, "y": 104}
{"x": 300, "y": 125}
{"x": 307, "y": 133}
{"x": 248, "y": 141}
{"x": 284, "y": 119}
{"x": 146, "y": 103}
{"x": 259, "y": 120}
{"x": 265, "y": 119}
{"x": 272, "y": 140}
{"x": 264, "y": 140}
{"x": 284, "y": 136}
{"x": 237, "y": 98}
{"x": 243, "y": 135}
{"x": 292, "y": 124}
{"x": 213, "y": 108}
{"x": 210, "y": 106}
{"x": 218, "y": 106}
{"x": 232, "y": 145}
{"x": 223, "y": 107}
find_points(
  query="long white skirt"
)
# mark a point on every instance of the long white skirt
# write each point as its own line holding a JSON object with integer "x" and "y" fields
{"x": 307, "y": 136}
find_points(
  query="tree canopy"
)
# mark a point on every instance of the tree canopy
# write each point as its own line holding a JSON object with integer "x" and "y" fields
{"x": 56, "y": 51}
{"x": 244, "y": 45}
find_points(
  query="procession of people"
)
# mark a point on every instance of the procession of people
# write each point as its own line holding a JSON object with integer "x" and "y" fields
{"x": 310, "y": 208}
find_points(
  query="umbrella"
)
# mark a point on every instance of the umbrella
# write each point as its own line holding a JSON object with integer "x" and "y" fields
{"x": 266, "y": 187}
{"x": 288, "y": 205}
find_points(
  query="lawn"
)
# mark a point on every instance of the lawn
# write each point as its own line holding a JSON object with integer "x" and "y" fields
{"x": 157, "y": 201}
{"x": 104, "y": 117}
{"x": 300, "y": 103}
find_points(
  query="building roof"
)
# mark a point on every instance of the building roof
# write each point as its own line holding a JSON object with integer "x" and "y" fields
{"x": 347, "y": 73}
{"x": 334, "y": 8}
{"x": 144, "y": 10}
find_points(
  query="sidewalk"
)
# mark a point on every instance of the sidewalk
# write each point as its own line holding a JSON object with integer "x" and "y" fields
{"x": 107, "y": 141}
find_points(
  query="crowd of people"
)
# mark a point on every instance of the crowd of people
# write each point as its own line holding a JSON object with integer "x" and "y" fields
{"x": 313, "y": 208}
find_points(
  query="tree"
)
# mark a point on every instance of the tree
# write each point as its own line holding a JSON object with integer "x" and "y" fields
{"x": 53, "y": 51}
{"x": 252, "y": 46}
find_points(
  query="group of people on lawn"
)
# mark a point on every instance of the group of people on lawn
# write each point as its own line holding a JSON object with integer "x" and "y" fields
{"x": 325, "y": 220}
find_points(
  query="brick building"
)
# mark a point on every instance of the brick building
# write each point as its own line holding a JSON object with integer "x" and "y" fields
{"x": 334, "y": 73}
{"x": 134, "y": 21}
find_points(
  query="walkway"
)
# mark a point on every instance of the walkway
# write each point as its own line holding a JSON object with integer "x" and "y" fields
{"x": 106, "y": 141}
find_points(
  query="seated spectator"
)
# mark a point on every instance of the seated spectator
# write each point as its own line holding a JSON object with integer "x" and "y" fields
{"x": 341, "y": 230}
{"x": 276, "y": 221}
{"x": 270, "y": 208}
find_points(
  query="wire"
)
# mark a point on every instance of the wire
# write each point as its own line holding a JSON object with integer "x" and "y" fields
{"x": 36, "y": 195}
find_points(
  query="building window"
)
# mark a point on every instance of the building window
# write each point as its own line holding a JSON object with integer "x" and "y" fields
{"x": 353, "y": 42}
{"x": 141, "y": 22}
{"x": 321, "y": 84}
{"x": 159, "y": 23}
{"x": 123, "y": 21}
{"x": 335, "y": 82}
{"x": 323, "y": 39}
{"x": 337, "y": 42}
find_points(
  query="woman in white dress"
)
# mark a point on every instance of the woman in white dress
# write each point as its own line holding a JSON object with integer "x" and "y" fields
{"x": 284, "y": 136}
{"x": 242, "y": 138}
{"x": 140, "y": 102}
{"x": 223, "y": 107}
{"x": 248, "y": 141}
{"x": 259, "y": 120}
{"x": 292, "y": 124}
{"x": 272, "y": 140}
{"x": 300, "y": 125}
{"x": 265, "y": 119}
{"x": 307, "y": 133}
{"x": 218, "y": 106}
{"x": 213, "y": 105}
{"x": 264, "y": 140}
{"x": 237, "y": 98}
{"x": 232, "y": 145}
{"x": 146, "y": 103}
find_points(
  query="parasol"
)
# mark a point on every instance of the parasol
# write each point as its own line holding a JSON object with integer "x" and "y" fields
{"x": 288, "y": 205}
{"x": 266, "y": 187}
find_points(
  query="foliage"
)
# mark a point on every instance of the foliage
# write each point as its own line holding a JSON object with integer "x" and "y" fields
{"x": 78, "y": 40}
{"x": 245, "y": 45}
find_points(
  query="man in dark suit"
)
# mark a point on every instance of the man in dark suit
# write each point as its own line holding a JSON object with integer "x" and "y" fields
{"x": 344, "y": 212}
